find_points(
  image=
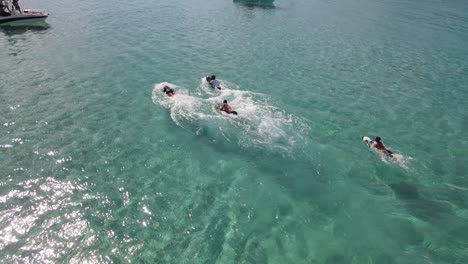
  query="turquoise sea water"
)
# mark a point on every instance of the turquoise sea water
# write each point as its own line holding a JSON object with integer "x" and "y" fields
{"x": 97, "y": 167}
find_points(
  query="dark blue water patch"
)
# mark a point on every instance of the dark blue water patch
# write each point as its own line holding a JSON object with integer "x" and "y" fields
{"x": 254, "y": 252}
{"x": 408, "y": 232}
{"x": 452, "y": 194}
{"x": 18, "y": 30}
{"x": 418, "y": 205}
{"x": 405, "y": 191}
{"x": 449, "y": 247}
{"x": 215, "y": 235}
{"x": 337, "y": 259}
{"x": 207, "y": 197}
{"x": 384, "y": 259}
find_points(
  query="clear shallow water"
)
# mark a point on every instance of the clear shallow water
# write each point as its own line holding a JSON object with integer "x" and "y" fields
{"x": 95, "y": 168}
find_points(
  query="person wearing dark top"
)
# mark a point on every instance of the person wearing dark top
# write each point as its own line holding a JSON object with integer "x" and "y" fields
{"x": 168, "y": 91}
{"x": 380, "y": 146}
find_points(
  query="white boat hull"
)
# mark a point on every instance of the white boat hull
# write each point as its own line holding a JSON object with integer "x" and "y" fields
{"x": 28, "y": 17}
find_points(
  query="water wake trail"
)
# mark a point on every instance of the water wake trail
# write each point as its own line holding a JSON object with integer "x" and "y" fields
{"x": 259, "y": 124}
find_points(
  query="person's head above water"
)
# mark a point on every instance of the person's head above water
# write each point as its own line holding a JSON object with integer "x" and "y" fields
{"x": 213, "y": 77}
{"x": 225, "y": 102}
{"x": 377, "y": 138}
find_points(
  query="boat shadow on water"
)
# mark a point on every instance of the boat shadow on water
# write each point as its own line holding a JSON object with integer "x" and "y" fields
{"x": 256, "y": 4}
{"x": 17, "y": 30}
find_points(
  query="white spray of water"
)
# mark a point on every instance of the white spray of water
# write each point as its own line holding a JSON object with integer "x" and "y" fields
{"x": 258, "y": 123}
{"x": 397, "y": 159}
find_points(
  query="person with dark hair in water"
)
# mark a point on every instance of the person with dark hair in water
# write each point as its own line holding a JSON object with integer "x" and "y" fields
{"x": 168, "y": 91}
{"x": 380, "y": 146}
{"x": 227, "y": 108}
{"x": 213, "y": 82}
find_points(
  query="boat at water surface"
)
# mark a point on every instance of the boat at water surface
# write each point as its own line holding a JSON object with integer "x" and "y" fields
{"x": 12, "y": 15}
{"x": 27, "y": 17}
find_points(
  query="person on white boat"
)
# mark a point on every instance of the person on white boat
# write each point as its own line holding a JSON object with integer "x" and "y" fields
{"x": 4, "y": 11}
{"x": 16, "y": 6}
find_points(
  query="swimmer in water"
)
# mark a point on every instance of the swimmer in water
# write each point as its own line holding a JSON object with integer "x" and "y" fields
{"x": 168, "y": 91}
{"x": 227, "y": 108}
{"x": 380, "y": 146}
{"x": 213, "y": 82}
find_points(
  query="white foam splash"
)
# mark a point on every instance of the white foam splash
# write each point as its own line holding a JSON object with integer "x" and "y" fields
{"x": 258, "y": 123}
{"x": 397, "y": 159}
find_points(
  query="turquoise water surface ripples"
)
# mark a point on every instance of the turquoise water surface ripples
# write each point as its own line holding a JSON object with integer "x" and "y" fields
{"x": 98, "y": 166}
